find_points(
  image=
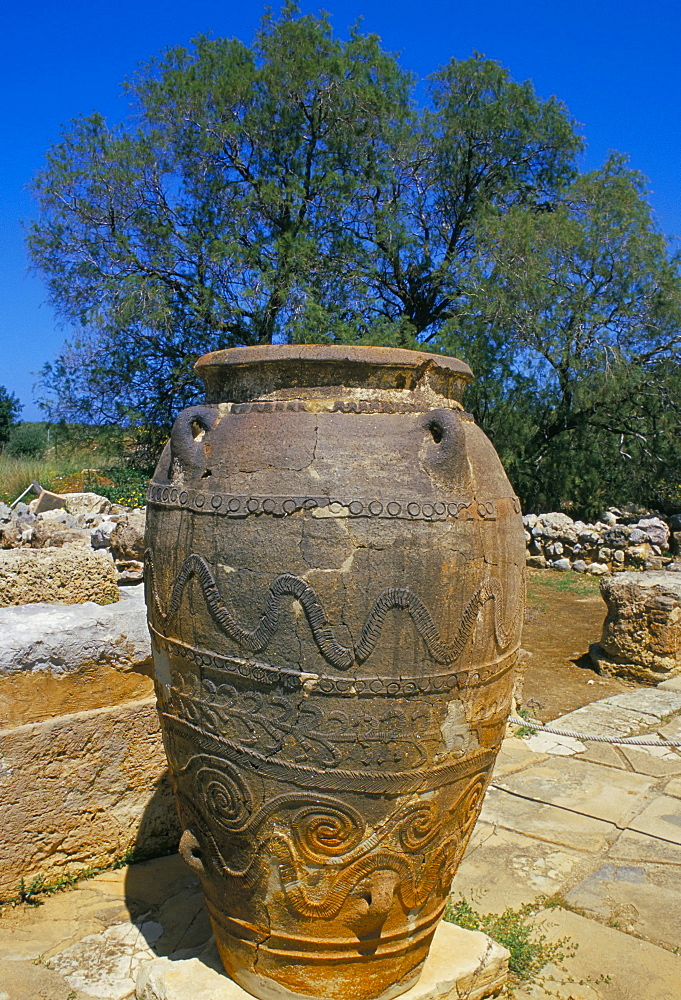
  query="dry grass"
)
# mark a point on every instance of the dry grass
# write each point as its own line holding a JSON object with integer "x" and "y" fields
{"x": 55, "y": 472}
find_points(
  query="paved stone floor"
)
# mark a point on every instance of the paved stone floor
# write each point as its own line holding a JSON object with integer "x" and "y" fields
{"x": 596, "y": 828}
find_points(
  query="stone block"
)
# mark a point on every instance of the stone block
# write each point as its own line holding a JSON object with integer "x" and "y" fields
{"x": 81, "y": 790}
{"x": 660, "y": 819}
{"x": 583, "y": 788}
{"x": 602, "y": 718}
{"x": 549, "y": 823}
{"x": 632, "y": 968}
{"x": 60, "y": 659}
{"x": 673, "y": 684}
{"x": 503, "y": 869}
{"x": 637, "y": 847}
{"x": 71, "y": 575}
{"x": 642, "y": 631}
{"x": 47, "y": 501}
{"x": 642, "y": 899}
{"x": 127, "y": 538}
{"x": 461, "y": 963}
{"x": 88, "y": 503}
{"x": 49, "y": 533}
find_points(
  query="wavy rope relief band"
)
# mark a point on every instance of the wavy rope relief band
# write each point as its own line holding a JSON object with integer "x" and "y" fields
{"x": 340, "y": 656}
{"x": 631, "y": 741}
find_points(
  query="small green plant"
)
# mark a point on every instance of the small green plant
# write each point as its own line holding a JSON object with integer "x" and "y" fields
{"x": 41, "y": 887}
{"x": 29, "y": 894}
{"x": 524, "y": 730}
{"x": 514, "y": 929}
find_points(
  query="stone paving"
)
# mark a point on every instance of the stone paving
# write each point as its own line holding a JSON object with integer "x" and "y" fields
{"x": 592, "y": 827}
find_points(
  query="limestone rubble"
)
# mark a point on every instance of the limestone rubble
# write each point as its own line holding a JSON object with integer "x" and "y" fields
{"x": 619, "y": 541}
{"x": 88, "y": 521}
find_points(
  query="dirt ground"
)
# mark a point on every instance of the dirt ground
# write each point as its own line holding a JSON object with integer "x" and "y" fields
{"x": 564, "y": 615}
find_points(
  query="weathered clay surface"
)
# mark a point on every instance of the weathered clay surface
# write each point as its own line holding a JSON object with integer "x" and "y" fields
{"x": 59, "y": 659}
{"x": 642, "y": 631}
{"x": 80, "y": 790}
{"x": 461, "y": 963}
{"x": 335, "y": 595}
{"x": 73, "y": 574}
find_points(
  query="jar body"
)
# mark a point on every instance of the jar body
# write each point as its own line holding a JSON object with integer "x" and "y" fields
{"x": 335, "y": 592}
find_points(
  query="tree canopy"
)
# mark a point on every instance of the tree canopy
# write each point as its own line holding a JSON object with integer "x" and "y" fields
{"x": 10, "y": 408}
{"x": 296, "y": 191}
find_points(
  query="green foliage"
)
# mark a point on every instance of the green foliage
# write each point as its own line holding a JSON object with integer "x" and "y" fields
{"x": 73, "y": 448}
{"x": 524, "y": 730}
{"x": 590, "y": 297}
{"x": 119, "y": 484}
{"x": 10, "y": 408}
{"x": 514, "y": 929}
{"x": 29, "y": 893}
{"x": 28, "y": 440}
{"x": 294, "y": 191}
{"x": 42, "y": 886}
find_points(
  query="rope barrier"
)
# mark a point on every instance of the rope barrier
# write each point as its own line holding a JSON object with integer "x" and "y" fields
{"x": 631, "y": 741}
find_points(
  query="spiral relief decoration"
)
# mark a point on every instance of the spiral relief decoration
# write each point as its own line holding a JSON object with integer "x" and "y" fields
{"x": 225, "y": 796}
{"x": 330, "y": 831}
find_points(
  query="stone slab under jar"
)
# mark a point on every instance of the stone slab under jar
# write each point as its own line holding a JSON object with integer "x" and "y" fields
{"x": 461, "y": 963}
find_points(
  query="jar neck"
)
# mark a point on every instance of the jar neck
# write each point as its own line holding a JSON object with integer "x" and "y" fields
{"x": 339, "y": 398}
{"x": 312, "y": 372}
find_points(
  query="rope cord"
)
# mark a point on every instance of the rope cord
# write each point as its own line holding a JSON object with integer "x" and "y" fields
{"x": 635, "y": 741}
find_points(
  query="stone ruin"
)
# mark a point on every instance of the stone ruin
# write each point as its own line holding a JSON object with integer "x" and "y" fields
{"x": 620, "y": 540}
{"x": 641, "y": 637}
{"x": 81, "y": 551}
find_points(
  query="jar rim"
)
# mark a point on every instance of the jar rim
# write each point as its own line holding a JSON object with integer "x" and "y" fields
{"x": 244, "y": 373}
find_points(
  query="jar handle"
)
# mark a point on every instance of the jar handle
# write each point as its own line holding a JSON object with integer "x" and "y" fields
{"x": 190, "y": 852}
{"x": 445, "y": 457}
{"x": 187, "y": 436}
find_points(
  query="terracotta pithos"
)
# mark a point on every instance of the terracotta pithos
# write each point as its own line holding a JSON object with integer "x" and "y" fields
{"x": 334, "y": 576}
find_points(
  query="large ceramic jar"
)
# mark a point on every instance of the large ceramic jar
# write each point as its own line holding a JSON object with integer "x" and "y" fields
{"x": 335, "y": 591}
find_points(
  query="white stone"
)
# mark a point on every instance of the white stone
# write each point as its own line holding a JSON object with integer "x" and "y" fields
{"x": 597, "y": 569}
{"x": 100, "y": 536}
{"x": 562, "y": 564}
{"x": 563, "y": 746}
{"x": 87, "y": 503}
{"x": 656, "y": 530}
{"x": 61, "y": 638}
{"x": 105, "y": 965}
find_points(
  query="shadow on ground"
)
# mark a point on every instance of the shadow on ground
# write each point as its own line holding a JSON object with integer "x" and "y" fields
{"x": 164, "y": 897}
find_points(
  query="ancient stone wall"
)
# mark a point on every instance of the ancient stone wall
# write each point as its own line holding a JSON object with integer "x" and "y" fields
{"x": 83, "y": 775}
{"x": 619, "y": 541}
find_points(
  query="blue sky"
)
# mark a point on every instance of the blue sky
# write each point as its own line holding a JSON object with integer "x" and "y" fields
{"x": 616, "y": 65}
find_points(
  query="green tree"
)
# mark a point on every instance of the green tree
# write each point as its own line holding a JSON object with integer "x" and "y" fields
{"x": 290, "y": 190}
{"x": 583, "y": 304}
{"x": 28, "y": 440}
{"x": 296, "y": 190}
{"x": 204, "y": 220}
{"x": 10, "y": 407}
